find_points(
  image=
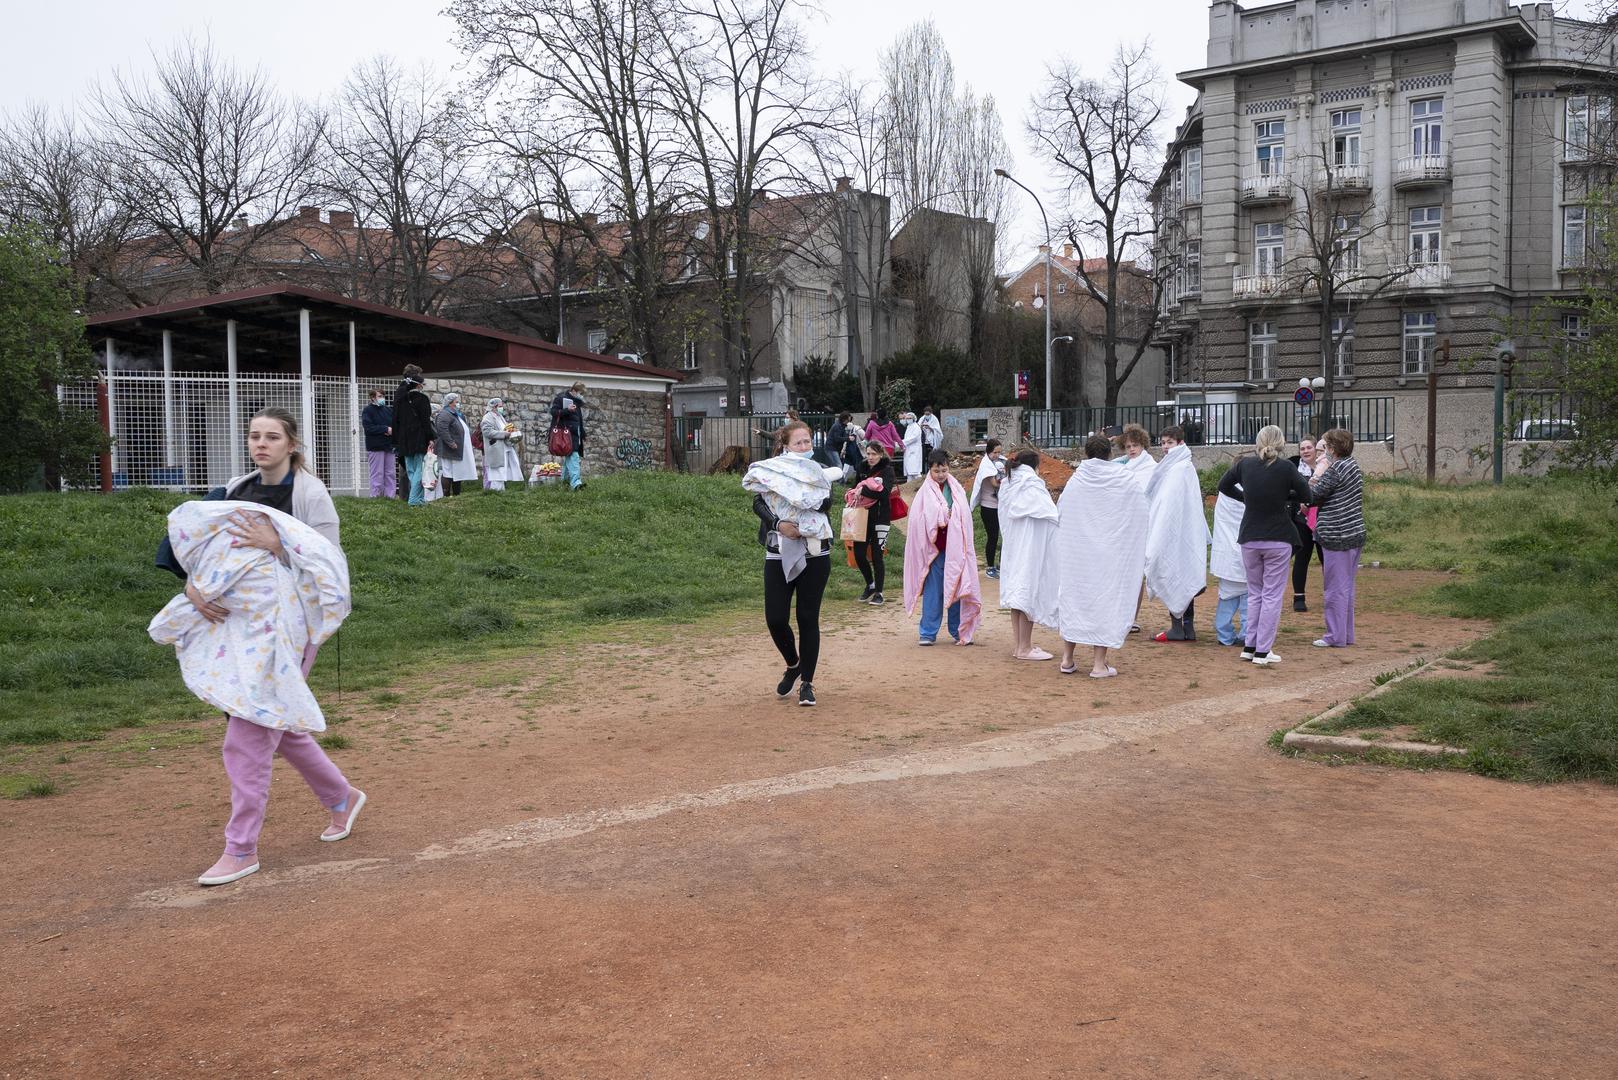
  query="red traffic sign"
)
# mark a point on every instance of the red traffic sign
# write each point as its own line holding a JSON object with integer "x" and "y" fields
{"x": 1304, "y": 396}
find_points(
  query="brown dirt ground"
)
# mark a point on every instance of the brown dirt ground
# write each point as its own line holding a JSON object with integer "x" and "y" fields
{"x": 958, "y": 866}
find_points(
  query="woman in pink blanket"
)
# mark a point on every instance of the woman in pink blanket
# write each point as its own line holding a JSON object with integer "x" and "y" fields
{"x": 941, "y": 559}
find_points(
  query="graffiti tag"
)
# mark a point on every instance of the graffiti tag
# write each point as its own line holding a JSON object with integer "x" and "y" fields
{"x": 635, "y": 453}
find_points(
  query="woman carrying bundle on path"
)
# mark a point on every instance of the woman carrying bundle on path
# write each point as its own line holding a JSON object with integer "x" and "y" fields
{"x": 1030, "y": 581}
{"x": 263, "y": 590}
{"x": 986, "y": 500}
{"x": 941, "y": 559}
{"x": 791, "y": 494}
{"x": 1103, "y": 556}
{"x": 1265, "y": 485}
{"x": 874, "y": 485}
{"x": 1338, "y": 490}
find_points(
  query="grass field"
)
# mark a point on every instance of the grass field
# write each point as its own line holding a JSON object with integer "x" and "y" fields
{"x": 1540, "y": 557}
{"x": 465, "y": 579}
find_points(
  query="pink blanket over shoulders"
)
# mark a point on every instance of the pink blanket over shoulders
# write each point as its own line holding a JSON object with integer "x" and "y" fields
{"x": 927, "y": 513}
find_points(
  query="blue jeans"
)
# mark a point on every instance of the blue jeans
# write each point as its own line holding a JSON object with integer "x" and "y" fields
{"x": 932, "y": 603}
{"x": 571, "y": 470}
{"x": 1228, "y": 609}
{"x": 412, "y": 464}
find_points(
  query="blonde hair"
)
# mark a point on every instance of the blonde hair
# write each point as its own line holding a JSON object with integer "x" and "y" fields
{"x": 1270, "y": 443}
{"x": 289, "y": 424}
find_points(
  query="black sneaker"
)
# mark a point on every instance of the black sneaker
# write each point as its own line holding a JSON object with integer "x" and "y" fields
{"x": 806, "y": 696}
{"x": 1298, "y": 604}
{"x": 876, "y": 600}
{"x": 789, "y": 679}
{"x": 870, "y": 591}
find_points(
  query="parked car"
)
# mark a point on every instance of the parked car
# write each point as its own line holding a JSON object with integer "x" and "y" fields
{"x": 1545, "y": 429}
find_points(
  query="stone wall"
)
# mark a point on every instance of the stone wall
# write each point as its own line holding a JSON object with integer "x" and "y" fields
{"x": 623, "y": 428}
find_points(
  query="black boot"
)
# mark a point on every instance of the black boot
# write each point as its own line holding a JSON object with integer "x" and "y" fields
{"x": 1188, "y": 620}
{"x": 1298, "y": 602}
{"x": 1175, "y": 632}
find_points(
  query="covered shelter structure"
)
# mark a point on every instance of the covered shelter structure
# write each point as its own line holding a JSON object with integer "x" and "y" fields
{"x": 180, "y": 381}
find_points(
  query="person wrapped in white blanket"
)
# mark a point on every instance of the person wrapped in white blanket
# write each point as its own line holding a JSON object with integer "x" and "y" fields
{"x": 1226, "y": 565}
{"x": 1103, "y": 515}
{"x": 1177, "y": 539}
{"x": 1031, "y": 576}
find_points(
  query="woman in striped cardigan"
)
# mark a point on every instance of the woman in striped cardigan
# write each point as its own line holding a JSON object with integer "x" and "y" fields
{"x": 1338, "y": 490}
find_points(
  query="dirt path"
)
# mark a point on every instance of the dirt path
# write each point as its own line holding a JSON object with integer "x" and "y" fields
{"x": 636, "y": 862}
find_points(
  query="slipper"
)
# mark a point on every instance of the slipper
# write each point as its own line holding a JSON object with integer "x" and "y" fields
{"x": 1037, "y": 654}
{"x": 1068, "y": 670}
{"x": 1135, "y": 629}
{"x": 348, "y": 824}
{"x": 228, "y": 869}
{"x": 1110, "y": 673}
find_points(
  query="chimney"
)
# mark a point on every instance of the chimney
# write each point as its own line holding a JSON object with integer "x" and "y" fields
{"x": 309, "y": 213}
{"x": 239, "y": 221}
{"x": 342, "y": 219}
{"x": 1067, "y": 251}
{"x": 844, "y": 184}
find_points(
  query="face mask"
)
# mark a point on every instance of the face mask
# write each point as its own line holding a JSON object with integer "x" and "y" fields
{"x": 805, "y": 454}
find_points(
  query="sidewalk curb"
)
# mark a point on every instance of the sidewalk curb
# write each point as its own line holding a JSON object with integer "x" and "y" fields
{"x": 1302, "y": 739}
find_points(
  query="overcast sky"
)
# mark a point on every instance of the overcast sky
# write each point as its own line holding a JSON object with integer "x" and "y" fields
{"x": 308, "y": 47}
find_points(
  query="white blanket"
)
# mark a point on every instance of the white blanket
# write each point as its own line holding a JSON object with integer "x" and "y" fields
{"x": 1177, "y": 539}
{"x": 987, "y": 467}
{"x": 794, "y": 488}
{"x": 250, "y": 665}
{"x": 1103, "y": 520}
{"x": 1139, "y": 468}
{"x": 1030, "y": 563}
{"x": 1226, "y": 562}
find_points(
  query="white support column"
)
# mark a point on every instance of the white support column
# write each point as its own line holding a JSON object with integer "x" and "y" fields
{"x": 232, "y": 401}
{"x": 112, "y": 404}
{"x": 361, "y": 475}
{"x": 306, "y": 387}
{"x": 168, "y": 398}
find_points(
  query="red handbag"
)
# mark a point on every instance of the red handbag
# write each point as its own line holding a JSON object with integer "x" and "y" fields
{"x": 561, "y": 441}
{"x": 898, "y": 509}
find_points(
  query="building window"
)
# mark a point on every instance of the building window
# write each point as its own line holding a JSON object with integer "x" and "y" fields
{"x": 1192, "y": 162}
{"x": 1346, "y": 243}
{"x": 1345, "y": 137}
{"x": 1061, "y": 288}
{"x": 1261, "y": 351}
{"x": 1426, "y": 235}
{"x": 1421, "y": 333}
{"x": 1270, "y": 137}
{"x": 1269, "y": 248}
{"x": 1427, "y": 127}
{"x": 1342, "y": 335}
{"x": 1576, "y": 328}
{"x": 595, "y": 339}
{"x": 691, "y": 363}
{"x": 1191, "y": 268}
{"x": 1590, "y": 129}
{"x": 1575, "y": 237}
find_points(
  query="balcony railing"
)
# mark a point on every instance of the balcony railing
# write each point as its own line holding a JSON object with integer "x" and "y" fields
{"x": 1420, "y": 169}
{"x": 1355, "y": 179}
{"x": 1426, "y": 275}
{"x": 1252, "y": 286}
{"x": 1266, "y": 184}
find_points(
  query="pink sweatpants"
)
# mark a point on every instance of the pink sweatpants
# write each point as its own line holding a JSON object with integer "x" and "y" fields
{"x": 249, "y": 752}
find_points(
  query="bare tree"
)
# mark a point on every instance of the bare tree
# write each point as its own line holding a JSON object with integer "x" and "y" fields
{"x": 979, "y": 146}
{"x": 1099, "y": 137}
{"x": 575, "y": 86}
{"x": 401, "y": 159}
{"x": 53, "y": 177}
{"x": 197, "y": 150}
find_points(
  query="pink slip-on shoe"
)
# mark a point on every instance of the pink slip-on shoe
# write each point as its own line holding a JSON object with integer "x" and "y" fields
{"x": 356, "y": 803}
{"x": 229, "y": 868}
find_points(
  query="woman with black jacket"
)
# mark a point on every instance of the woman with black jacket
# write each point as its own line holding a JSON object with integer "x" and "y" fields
{"x": 1267, "y": 485}
{"x": 874, "y": 485}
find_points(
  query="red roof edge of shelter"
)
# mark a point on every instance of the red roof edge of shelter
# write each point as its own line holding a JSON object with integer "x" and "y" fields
{"x": 298, "y": 292}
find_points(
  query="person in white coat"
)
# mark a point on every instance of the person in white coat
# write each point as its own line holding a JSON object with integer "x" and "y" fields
{"x": 500, "y": 461}
{"x": 1103, "y": 519}
{"x": 1226, "y": 565}
{"x": 1177, "y": 540}
{"x": 932, "y": 432}
{"x": 913, "y": 449}
{"x": 1030, "y": 580}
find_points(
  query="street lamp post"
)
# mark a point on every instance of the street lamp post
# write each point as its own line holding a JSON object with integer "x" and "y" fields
{"x": 1002, "y": 174}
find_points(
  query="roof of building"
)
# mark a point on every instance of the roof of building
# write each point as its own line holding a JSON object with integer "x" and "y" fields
{"x": 267, "y": 321}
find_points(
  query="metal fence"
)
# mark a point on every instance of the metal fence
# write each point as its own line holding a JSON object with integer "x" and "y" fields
{"x": 178, "y": 432}
{"x": 699, "y": 441}
{"x": 1227, "y": 423}
{"x": 1541, "y": 416}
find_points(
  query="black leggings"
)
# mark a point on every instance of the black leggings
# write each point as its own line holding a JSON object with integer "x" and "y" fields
{"x": 810, "y": 587}
{"x": 991, "y": 533}
{"x": 869, "y": 556}
{"x": 1300, "y": 558}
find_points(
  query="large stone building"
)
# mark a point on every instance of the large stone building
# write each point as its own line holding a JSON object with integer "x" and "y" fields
{"x": 1420, "y": 164}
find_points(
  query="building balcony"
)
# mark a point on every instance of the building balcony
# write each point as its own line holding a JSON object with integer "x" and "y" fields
{"x": 1257, "y": 286}
{"x": 1421, "y": 170}
{"x": 1344, "y": 179}
{"x": 1262, "y": 184}
{"x": 1350, "y": 282}
{"x": 1425, "y": 275}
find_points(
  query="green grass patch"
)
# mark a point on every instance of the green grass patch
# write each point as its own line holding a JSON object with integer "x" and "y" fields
{"x": 466, "y": 579}
{"x": 26, "y": 786}
{"x": 1540, "y": 557}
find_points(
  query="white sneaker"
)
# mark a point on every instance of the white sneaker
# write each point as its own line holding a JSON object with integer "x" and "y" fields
{"x": 1272, "y": 658}
{"x": 1247, "y": 654}
{"x": 1322, "y": 643}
